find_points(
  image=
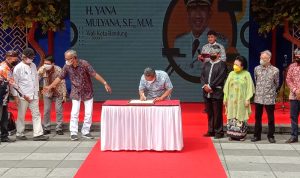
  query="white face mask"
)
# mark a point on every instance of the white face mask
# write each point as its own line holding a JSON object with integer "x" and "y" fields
{"x": 47, "y": 66}
{"x": 68, "y": 63}
{"x": 28, "y": 61}
{"x": 150, "y": 82}
{"x": 262, "y": 62}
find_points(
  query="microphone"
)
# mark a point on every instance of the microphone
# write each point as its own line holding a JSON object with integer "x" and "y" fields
{"x": 285, "y": 60}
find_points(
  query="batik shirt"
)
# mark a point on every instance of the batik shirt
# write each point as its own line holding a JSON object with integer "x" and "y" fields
{"x": 5, "y": 75}
{"x": 293, "y": 80}
{"x": 206, "y": 50}
{"x": 48, "y": 77}
{"x": 158, "y": 87}
{"x": 267, "y": 82}
{"x": 81, "y": 83}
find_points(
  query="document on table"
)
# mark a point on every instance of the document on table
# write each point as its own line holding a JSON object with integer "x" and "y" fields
{"x": 135, "y": 101}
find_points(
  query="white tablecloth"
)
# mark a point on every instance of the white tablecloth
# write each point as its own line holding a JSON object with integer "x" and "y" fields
{"x": 141, "y": 128}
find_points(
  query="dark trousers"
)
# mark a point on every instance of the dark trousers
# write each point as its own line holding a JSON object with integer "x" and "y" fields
{"x": 258, "y": 117}
{"x": 214, "y": 109}
{"x": 294, "y": 113}
{"x": 3, "y": 121}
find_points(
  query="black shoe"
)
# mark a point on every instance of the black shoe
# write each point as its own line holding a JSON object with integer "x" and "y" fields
{"x": 21, "y": 137}
{"x": 292, "y": 140}
{"x": 218, "y": 136}
{"x": 74, "y": 137}
{"x": 59, "y": 132}
{"x": 41, "y": 138}
{"x": 272, "y": 140}
{"x": 88, "y": 136}
{"x": 209, "y": 134}
{"x": 255, "y": 139}
{"x": 46, "y": 132}
{"x": 7, "y": 140}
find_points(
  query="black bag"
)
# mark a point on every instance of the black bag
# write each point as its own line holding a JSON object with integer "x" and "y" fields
{"x": 11, "y": 126}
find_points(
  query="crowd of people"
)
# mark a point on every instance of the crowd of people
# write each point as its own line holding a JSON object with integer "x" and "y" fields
{"x": 221, "y": 89}
{"x": 237, "y": 89}
{"x": 21, "y": 79}
{"x": 234, "y": 90}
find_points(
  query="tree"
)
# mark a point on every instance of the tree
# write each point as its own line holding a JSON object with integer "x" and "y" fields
{"x": 49, "y": 15}
{"x": 271, "y": 14}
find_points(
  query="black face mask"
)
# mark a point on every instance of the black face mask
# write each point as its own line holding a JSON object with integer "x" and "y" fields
{"x": 213, "y": 57}
{"x": 14, "y": 63}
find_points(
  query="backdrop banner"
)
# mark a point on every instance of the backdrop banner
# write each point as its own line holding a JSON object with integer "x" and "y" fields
{"x": 121, "y": 38}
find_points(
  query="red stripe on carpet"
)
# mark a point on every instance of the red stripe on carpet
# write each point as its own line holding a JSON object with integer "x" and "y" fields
{"x": 282, "y": 116}
{"x": 198, "y": 158}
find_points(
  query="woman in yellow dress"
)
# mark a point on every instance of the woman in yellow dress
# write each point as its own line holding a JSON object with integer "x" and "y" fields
{"x": 238, "y": 91}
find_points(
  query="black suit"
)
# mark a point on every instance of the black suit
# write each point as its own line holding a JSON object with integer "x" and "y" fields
{"x": 214, "y": 74}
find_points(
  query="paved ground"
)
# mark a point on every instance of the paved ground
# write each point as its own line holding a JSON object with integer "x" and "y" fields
{"x": 61, "y": 157}
{"x": 58, "y": 157}
{"x": 260, "y": 159}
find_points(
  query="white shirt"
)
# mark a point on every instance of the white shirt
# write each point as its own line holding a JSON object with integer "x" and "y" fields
{"x": 26, "y": 79}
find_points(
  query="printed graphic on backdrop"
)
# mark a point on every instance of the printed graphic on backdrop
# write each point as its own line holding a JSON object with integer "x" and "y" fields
{"x": 11, "y": 39}
{"x": 181, "y": 24}
{"x": 121, "y": 38}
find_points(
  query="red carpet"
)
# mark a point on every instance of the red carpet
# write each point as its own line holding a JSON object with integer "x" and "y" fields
{"x": 281, "y": 116}
{"x": 198, "y": 158}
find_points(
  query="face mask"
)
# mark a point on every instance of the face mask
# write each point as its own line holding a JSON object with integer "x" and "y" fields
{"x": 68, "y": 63}
{"x": 47, "y": 66}
{"x": 236, "y": 68}
{"x": 150, "y": 82}
{"x": 262, "y": 62}
{"x": 213, "y": 57}
{"x": 28, "y": 61}
{"x": 297, "y": 59}
{"x": 14, "y": 63}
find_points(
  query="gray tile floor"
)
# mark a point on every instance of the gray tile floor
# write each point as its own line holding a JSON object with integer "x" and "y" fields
{"x": 260, "y": 159}
{"x": 61, "y": 157}
{"x": 58, "y": 157}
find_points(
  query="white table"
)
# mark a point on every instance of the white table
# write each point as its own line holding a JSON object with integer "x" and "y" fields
{"x": 135, "y": 127}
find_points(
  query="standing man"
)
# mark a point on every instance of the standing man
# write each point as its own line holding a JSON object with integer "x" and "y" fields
{"x": 80, "y": 73}
{"x": 155, "y": 84}
{"x": 266, "y": 79}
{"x": 293, "y": 82}
{"x": 27, "y": 83}
{"x": 49, "y": 72}
{"x": 6, "y": 68}
{"x": 213, "y": 77}
{"x": 212, "y": 40}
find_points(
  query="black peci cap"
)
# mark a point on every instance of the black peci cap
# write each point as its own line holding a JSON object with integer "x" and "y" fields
{"x": 28, "y": 52}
